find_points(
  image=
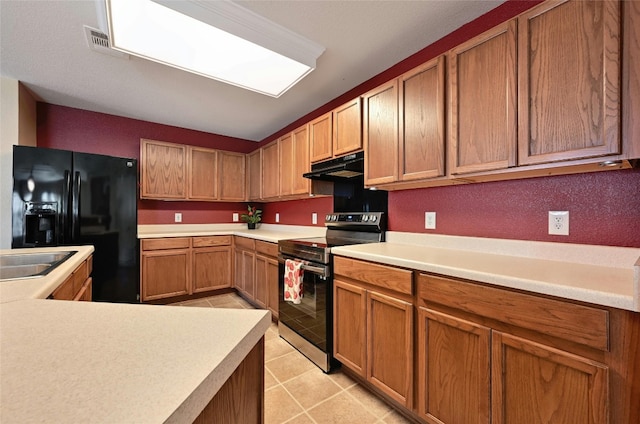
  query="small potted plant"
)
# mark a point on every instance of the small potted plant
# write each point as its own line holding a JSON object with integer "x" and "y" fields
{"x": 252, "y": 217}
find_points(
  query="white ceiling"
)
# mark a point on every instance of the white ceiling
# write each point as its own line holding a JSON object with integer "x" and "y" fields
{"x": 42, "y": 44}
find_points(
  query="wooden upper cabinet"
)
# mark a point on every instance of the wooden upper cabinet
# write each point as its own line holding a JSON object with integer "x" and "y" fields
{"x": 231, "y": 176}
{"x": 203, "y": 173}
{"x": 254, "y": 178}
{"x": 380, "y": 134}
{"x": 347, "y": 127}
{"x": 631, "y": 79}
{"x": 163, "y": 168}
{"x": 285, "y": 158}
{"x": 301, "y": 165}
{"x": 482, "y": 96}
{"x": 270, "y": 171}
{"x": 321, "y": 137}
{"x": 422, "y": 122}
{"x": 569, "y": 81}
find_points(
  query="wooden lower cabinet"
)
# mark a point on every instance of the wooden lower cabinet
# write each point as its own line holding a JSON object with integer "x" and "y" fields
{"x": 256, "y": 272}
{"x": 165, "y": 273}
{"x": 179, "y": 266}
{"x": 267, "y": 283}
{"x": 350, "y": 318}
{"x": 482, "y": 361}
{"x": 211, "y": 268}
{"x": 453, "y": 369}
{"x": 373, "y": 326}
{"x": 533, "y": 383}
{"x": 78, "y": 285}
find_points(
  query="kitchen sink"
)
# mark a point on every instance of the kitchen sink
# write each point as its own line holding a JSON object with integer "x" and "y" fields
{"x": 31, "y": 265}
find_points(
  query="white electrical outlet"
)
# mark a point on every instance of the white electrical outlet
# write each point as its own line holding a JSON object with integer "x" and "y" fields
{"x": 430, "y": 220}
{"x": 559, "y": 223}
{"x": 314, "y": 218}
{"x": 177, "y": 217}
{"x": 235, "y": 217}
{"x": 277, "y": 217}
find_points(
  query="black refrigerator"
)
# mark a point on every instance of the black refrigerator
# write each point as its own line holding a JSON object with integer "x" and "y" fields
{"x": 64, "y": 198}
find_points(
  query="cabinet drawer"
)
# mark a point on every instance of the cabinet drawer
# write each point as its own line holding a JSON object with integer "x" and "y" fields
{"x": 245, "y": 243}
{"x": 166, "y": 243}
{"x": 266, "y": 248}
{"x": 396, "y": 279}
{"x": 211, "y": 241}
{"x": 568, "y": 321}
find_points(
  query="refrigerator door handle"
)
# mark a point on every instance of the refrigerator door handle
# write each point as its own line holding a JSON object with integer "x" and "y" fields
{"x": 75, "y": 208}
{"x": 65, "y": 210}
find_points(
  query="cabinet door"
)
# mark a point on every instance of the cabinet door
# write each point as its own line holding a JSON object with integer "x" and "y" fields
{"x": 569, "y": 81}
{"x": 270, "y": 172}
{"x": 211, "y": 268}
{"x": 300, "y": 158}
{"x": 482, "y": 96}
{"x": 165, "y": 273}
{"x": 285, "y": 159}
{"x": 261, "y": 282}
{"x": 349, "y": 325}
{"x": 453, "y": 369}
{"x": 254, "y": 169}
{"x": 203, "y": 174}
{"x": 244, "y": 272}
{"x": 631, "y": 79}
{"x": 380, "y": 130}
{"x": 347, "y": 128}
{"x": 273, "y": 285}
{"x": 390, "y": 346}
{"x": 421, "y": 122}
{"x": 533, "y": 383}
{"x": 163, "y": 168}
{"x": 231, "y": 176}
{"x": 321, "y": 137}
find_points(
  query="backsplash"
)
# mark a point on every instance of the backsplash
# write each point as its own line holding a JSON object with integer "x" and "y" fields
{"x": 604, "y": 208}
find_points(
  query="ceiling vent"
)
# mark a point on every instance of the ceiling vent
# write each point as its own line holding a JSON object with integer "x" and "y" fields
{"x": 99, "y": 41}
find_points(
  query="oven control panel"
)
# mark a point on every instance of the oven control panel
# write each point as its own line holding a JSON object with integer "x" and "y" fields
{"x": 358, "y": 218}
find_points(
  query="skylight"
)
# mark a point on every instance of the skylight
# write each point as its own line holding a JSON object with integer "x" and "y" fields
{"x": 218, "y": 40}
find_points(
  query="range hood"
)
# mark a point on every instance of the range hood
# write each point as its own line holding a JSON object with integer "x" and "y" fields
{"x": 344, "y": 167}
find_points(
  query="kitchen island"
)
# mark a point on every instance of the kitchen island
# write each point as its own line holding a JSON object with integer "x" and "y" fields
{"x": 63, "y": 361}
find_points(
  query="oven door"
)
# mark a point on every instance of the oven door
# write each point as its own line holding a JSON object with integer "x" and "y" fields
{"x": 312, "y": 318}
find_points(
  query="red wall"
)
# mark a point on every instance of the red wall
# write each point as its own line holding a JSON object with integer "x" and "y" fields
{"x": 604, "y": 208}
{"x": 67, "y": 128}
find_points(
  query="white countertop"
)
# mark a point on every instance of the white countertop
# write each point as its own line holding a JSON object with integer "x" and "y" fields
{"x": 265, "y": 232}
{"x": 81, "y": 362}
{"x": 84, "y": 362}
{"x": 602, "y": 275}
{"x": 41, "y": 287}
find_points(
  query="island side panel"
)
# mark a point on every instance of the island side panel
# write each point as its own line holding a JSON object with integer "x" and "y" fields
{"x": 241, "y": 398}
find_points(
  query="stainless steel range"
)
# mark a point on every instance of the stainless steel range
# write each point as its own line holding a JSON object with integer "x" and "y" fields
{"x": 308, "y": 326}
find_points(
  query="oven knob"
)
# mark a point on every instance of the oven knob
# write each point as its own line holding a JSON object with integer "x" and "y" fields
{"x": 373, "y": 218}
{"x": 365, "y": 218}
{"x": 327, "y": 218}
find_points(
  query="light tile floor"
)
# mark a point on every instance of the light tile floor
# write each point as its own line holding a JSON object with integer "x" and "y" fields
{"x": 298, "y": 392}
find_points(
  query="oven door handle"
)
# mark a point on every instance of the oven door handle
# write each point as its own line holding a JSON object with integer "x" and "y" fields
{"x": 320, "y": 270}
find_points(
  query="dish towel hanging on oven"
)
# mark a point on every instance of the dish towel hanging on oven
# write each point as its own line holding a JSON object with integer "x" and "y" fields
{"x": 293, "y": 274}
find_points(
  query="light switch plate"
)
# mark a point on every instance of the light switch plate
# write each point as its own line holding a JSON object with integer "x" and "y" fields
{"x": 235, "y": 217}
{"x": 314, "y": 218}
{"x": 430, "y": 220}
{"x": 177, "y": 217}
{"x": 277, "y": 217}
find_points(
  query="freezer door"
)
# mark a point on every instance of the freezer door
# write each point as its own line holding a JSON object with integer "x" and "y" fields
{"x": 104, "y": 205}
{"x": 39, "y": 183}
